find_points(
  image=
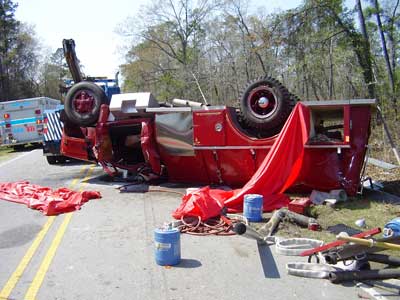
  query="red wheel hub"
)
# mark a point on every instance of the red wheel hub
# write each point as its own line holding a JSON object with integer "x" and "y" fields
{"x": 262, "y": 101}
{"x": 83, "y": 102}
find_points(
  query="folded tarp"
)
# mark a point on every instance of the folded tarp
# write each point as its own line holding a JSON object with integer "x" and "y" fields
{"x": 276, "y": 174}
{"x": 44, "y": 199}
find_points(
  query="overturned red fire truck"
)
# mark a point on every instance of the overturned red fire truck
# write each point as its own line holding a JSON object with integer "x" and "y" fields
{"x": 315, "y": 144}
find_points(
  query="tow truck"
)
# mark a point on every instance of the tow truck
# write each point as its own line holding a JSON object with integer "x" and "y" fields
{"x": 54, "y": 118}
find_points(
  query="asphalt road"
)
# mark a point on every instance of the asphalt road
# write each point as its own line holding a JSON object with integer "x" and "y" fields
{"x": 105, "y": 250}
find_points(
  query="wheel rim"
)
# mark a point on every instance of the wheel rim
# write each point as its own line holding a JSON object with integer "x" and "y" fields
{"x": 262, "y": 102}
{"x": 83, "y": 102}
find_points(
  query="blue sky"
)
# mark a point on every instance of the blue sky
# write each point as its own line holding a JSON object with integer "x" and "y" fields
{"x": 92, "y": 25}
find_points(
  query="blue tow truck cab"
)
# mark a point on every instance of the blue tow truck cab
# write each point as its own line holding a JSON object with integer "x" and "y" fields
{"x": 109, "y": 86}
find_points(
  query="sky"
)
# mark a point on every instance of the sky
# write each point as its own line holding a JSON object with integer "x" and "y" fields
{"x": 92, "y": 24}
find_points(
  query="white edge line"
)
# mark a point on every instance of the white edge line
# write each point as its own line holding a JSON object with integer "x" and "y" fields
{"x": 371, "y": 291}
{"x": 15, "y": 158}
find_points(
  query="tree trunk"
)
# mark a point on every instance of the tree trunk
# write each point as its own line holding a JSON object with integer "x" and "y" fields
{"x": 364, "y": 53}
{"x": 384, "y": 48}
{"x": 253, "y": 46}
{"x": 392, "y": 44}
{"x": 1, "y": 81}
{"x": 331, "y": 69}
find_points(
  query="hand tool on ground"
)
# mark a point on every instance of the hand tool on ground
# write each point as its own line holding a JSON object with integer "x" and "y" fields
{"x": 367, "y": 242}
{"x": 351, "y": 250}
{"x": 334, "y": 244}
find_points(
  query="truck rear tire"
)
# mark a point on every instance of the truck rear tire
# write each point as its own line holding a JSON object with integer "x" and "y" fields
{"x": 61, "y": 159}
{"x": 52, "y": 160}
{"x": 83, "y": 102}
{"x": 19, "y": 147}
{"x": 265, "y": 106}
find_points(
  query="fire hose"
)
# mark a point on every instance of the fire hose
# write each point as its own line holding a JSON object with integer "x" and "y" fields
{"x": 285, "y": 214}
{"x": 221, "y": 225}
{"x": 383, "y": 259}
{"x": 342, "y": 276}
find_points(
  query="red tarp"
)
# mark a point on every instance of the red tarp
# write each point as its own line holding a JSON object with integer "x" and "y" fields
{"x": 275, "y": 175}
{"x": 46, "y": 200}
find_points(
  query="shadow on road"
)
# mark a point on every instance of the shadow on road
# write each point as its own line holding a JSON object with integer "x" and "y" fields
{"x": 19, "y": 235}
{"x": 188, "y": 263}
{"x": 25, "y": 148}
{"x": 267, "y": 261}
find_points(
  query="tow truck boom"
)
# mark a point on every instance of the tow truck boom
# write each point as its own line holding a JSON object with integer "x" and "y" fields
{"x": 72, "y": 60}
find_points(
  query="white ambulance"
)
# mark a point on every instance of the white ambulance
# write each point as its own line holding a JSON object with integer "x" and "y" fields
{"x": 21, "y": 121}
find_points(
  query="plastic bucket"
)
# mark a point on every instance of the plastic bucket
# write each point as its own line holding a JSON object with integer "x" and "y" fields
{"x": 253, "y": 207}
{"x": 167, "y": 250}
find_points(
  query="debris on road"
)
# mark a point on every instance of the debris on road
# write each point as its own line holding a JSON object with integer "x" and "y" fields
{"x": 295, "y": 246}
{"x": 310, "y": 270}
{"x": 361, "y": 223}
{"x": 49, "y": 202}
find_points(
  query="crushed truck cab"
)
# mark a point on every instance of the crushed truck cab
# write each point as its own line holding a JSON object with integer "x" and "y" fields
{"x": 192, "y": 143}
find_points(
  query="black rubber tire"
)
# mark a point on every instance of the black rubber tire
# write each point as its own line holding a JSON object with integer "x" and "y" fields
{"x": 18, "y": 148}
{"x": 87, "y": 118}
{"x": 52, "y": 160}
{"x": 61, "y": 159}
{"x": 272, "y": 122}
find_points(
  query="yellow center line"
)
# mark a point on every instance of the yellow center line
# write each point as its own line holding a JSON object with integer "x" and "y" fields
{"x": 16, "y": 275}
{"x": 41, "y": 273}
{"x": 6, "y": 291}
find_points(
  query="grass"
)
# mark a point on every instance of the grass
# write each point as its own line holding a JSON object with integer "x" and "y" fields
{"x": 375, "y": 213}
{"x": 5, "y": 152}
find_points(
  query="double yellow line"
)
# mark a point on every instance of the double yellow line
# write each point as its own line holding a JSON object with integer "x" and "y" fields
{"x": 41, "y": 272}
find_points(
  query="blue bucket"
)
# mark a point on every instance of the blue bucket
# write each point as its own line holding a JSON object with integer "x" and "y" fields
{"x": 167, "y": 248}
{"x": 253, "y": 207}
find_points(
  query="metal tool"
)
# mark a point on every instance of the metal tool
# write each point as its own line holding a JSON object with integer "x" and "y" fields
{"x": 367, "y": 242}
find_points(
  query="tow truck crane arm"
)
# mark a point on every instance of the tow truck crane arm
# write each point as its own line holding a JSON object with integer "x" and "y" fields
{"x": 72, "y": 60}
